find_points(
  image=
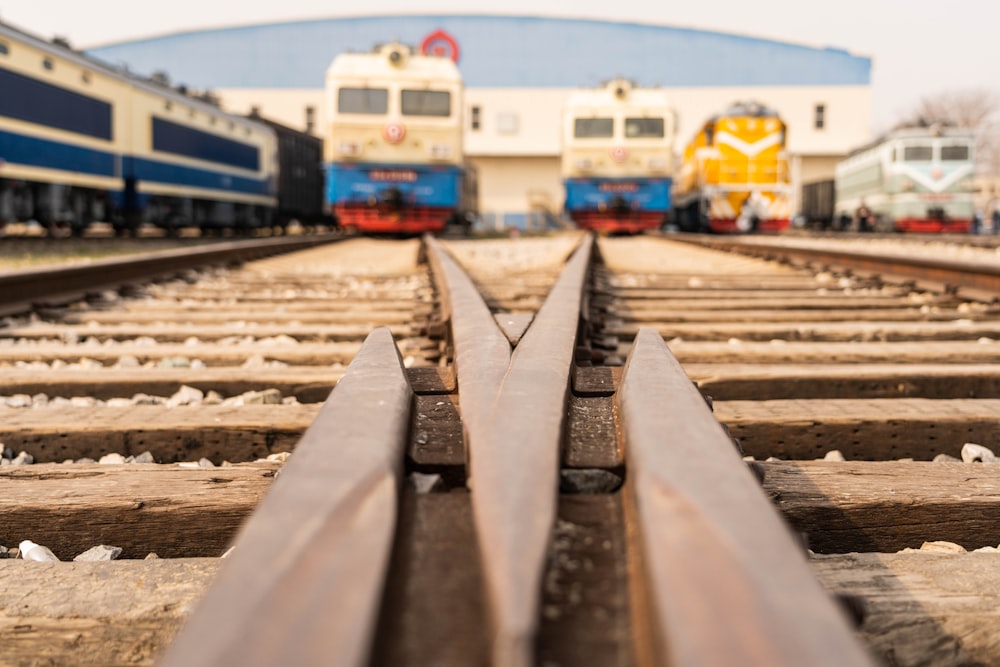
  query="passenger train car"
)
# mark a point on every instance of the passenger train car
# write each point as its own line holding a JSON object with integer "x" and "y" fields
{"x": 393, "y": 143}
{"x": 617, "y": 159}
{"x": 734, "y": 176}
{"x": 915, "y": 179}
{"x": 82, "y": 141}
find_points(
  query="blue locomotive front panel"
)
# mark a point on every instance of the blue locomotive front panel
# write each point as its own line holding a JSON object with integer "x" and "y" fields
{"x": 619, "y": 204}
{"x": 393, "y": 197}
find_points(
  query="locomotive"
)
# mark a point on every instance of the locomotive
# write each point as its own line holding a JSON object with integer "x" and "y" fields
{"x": 915, "y": 179}
{"x": 82, "y": 141}
{"x": 393, "y": 149}
{"x": 617, "y": 158}
{"x": 734, "y": 176}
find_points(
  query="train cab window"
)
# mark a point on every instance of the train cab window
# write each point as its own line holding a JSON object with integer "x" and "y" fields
{"x": 426, "y": 103}
{"x": 643, "y": 128}
{"x": 363, "y": 100}
{"x": 310, "y": 118}
{"x": 593, "y": 128}
{"x": 920, "y": 153}
{"x": 4, "y": 49}
{"x": 475, "y": 117}
{"x": 819, "y": 116}
{"x": 953, "y": 153}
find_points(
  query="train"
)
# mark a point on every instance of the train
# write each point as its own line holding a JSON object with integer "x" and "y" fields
{"x": 734, "y": 174}
{"x": 393, "y": 150}
{"x": 618, "y": 157}
{"x": 84, "y": 141}
{"x": 914, "y": 179}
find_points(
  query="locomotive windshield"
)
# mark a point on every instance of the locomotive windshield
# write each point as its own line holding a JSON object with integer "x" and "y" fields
{"x": 954, "y": 153}
{"x": 593, "y": 128}
{"x": 426, "y": 103}
{"x": 922, "y": 153}
{"x": 363, "y": 100}
{"x": 641, "y": 128}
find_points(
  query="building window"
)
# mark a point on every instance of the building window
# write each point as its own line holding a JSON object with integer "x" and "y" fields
{"x": 475, "y": 117}
{"x": 85, "y": 77}
{"x": 507, "y": 123}
{"x": 819, "y": 121}
{"x": 310, "y": 119}
{"x": 48, "y": 64}
{"x": 4, "y": 49}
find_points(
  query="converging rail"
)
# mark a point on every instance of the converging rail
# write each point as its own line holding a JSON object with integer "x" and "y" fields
{"x": 715, "y": 578}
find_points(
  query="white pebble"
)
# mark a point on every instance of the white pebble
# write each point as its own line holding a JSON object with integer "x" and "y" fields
{"x": 36, "y": 552}
{"x": 972, "y": 453}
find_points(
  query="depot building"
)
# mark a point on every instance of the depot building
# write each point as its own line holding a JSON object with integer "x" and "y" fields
{"x": 518, "y": 72}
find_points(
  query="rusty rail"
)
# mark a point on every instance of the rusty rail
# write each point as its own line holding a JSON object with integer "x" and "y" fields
{"x": 717, "y": 579}
{"x": 514, "y": 462}
{"x": 725, "y": 582}
{"x": 977, "y": 279}
{"x": 303, "y": 585}
{"x": 19, "y": 290}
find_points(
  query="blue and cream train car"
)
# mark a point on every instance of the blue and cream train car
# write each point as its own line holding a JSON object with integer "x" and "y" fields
{"x": 81, "y": 141}
{"x": 915, "y": 179}
{"x": 393, "y": 142}
{"x": 617, "y": 159}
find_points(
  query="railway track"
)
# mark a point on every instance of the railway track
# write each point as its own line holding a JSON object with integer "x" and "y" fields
{"x": 513, "y": 470}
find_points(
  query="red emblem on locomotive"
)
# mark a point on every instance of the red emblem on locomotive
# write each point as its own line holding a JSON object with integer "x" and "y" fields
{"x": 394, "y": 132}
{"x": 619, "y": 153}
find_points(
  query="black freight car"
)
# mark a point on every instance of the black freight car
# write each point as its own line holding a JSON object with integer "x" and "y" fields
{"x": 817, "y": 204}
{"x": 300, "y": 177}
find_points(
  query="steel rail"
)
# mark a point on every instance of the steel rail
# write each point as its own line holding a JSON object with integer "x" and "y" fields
{"x": 304, "y": 583}
{"x": 19, "y": 290}
{"x": 482, "y": 351}
{"x": 515, "y": 465}
{"x": 513, "y": 462}
{"x": 725, "y": 581}
{"x": 980, "y": 278}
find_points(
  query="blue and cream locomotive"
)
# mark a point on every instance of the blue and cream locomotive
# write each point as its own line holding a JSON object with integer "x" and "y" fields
{"x": 617, "y": 160}
{"x": 82, "y": 141}
{"x": 393, "y": 142}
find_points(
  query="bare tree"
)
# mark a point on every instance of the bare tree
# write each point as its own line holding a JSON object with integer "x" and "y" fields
{"x": 973, "y": 109}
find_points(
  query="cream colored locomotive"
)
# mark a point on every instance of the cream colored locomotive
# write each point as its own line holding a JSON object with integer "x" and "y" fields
{"x": 617, "y": 161}
{"x": 393, "y": 143}
{"x": 81, "y": 141}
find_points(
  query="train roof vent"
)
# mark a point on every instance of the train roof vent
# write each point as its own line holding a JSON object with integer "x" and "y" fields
{"x": 395, "y": 52}
{"x": 620, "y": 87}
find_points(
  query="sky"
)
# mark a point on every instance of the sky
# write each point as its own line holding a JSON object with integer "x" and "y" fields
{"x": 918, "y": 47}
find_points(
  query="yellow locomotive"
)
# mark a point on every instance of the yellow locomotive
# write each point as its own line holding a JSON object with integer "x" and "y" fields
{"x": 734, "y": 176}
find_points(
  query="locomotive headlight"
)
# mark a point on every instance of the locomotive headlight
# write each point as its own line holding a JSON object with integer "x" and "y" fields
{"x": 349, "y": 148}
{"x": 583, "y": 164}
{"x": 440, "y": 151}
{"x": 657, "y": 164}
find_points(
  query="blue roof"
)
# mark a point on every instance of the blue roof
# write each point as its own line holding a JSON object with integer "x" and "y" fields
{"x": 496, "y": 52}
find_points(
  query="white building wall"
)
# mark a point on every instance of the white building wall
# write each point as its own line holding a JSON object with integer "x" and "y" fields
{"x": 517, "y": 144}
